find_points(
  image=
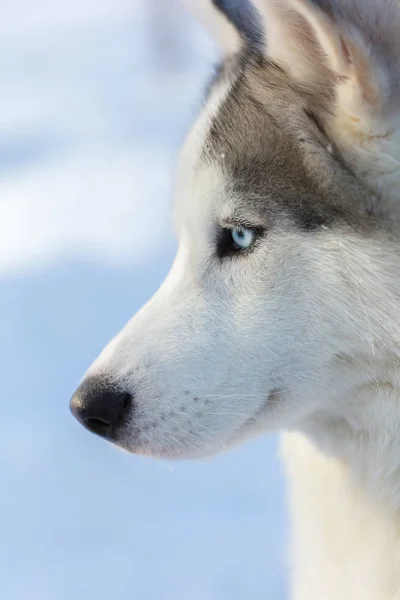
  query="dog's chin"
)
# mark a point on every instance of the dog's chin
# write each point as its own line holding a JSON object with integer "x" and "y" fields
{"x": 171, "y": 452}
{"x": 167, "y": 453}
{"x": 251, "y": 427}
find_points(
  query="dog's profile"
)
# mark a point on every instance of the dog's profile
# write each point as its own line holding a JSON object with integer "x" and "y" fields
{"x": 282, "y": 308}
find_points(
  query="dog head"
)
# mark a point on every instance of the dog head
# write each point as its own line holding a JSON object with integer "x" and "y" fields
{"x": 275, "y": 211}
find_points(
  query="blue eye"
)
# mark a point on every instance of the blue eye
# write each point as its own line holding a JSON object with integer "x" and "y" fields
{"x": 242, "y": 237}
{"x": 236, "y": 239}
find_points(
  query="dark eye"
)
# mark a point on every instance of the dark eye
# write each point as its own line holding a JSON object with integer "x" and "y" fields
{"x": 235, "y": 239}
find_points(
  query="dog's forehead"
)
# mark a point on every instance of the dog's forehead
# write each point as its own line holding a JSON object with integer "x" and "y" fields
{"x": 202, "y": 184}
{"x": 244, "y": 156}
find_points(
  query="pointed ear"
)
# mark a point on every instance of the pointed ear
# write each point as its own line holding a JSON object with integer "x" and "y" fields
{"x": 219, "y": 25}
{"x": 310, "y": 38}
{"x": 231, "y": 24}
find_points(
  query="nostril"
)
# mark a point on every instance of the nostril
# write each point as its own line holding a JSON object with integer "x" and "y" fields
{"x": 97, "y": 426}
{"x": 101, "y": 407}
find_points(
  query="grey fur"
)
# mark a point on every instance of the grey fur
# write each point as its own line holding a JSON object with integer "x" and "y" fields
{"x": 276, "y": 152}
{"x": 272, "y": 130}
{"x": 243, "y": 16}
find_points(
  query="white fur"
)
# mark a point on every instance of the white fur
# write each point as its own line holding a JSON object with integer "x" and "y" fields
{"x": 344, "y": 546}
{"x": 303, "y": 335}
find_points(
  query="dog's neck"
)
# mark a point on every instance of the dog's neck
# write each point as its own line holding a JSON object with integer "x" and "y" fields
{"x": 363, "y": 429}
{"x": 345, "y": 544}
{"x": 344, "y": 476}
{"x": 343, "y": 462}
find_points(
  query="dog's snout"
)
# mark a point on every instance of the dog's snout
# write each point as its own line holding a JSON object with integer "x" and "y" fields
{"x": 100, "y": 406}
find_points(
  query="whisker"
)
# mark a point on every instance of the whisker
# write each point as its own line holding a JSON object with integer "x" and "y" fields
{"x": 214, "y": 434}
{"x": 273, "y": 393}
{"x": 187, "y": 433}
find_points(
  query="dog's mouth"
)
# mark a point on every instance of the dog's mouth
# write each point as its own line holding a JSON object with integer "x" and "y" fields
{"x": 259, "y": 420}
{"x": 187, "y": 449}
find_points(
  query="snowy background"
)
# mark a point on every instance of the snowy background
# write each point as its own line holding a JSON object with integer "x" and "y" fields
{"x": 95, "y": 98}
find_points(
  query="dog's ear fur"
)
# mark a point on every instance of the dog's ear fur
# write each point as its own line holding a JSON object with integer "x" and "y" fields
{"x": 311, "y": 39}
{"x": 232, "y": 23}
{"x": 219, "y": 25}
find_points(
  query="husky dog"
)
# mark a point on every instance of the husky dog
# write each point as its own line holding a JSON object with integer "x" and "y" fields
{"x": 282, "y": 308}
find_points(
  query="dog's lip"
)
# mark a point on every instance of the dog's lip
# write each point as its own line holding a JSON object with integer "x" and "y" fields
{"x": 257, "y": 415}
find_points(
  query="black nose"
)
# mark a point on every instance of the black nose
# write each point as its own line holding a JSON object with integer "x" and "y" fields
{"x": 100, "y": 406}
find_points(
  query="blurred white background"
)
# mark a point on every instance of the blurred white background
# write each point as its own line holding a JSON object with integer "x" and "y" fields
{"x": 96, "y": 96}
